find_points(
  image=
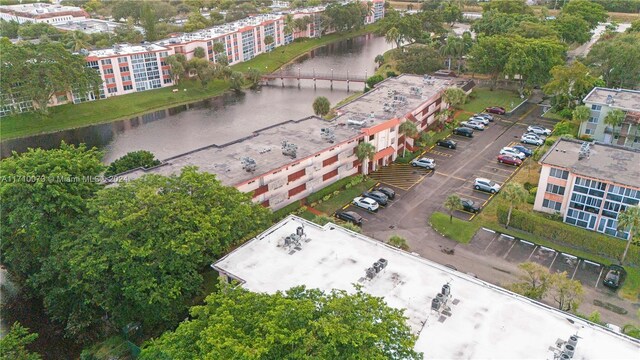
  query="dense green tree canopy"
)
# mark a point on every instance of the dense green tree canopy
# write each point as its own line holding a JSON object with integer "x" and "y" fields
{"x": 297, "y": 324}
{"x": 490, "y": 55}
{"x": 38, "y": 71}
{"x": 495, "y": 22}
{"x": 42, "y": 192}
{"x": 321, "y": 106}
{"x": 591, "y": 12}
{"x": 569, "y": 84}
{"x": 346, "y": 17}
{"x": 13, "y": 344}
{"x": 419, "y": 59}
{"x": 132, "y": 160}
{"x": 616, "y": 60}
{"x": 508, "y": 7}
{"x": 572, "y": 28}
{"x": 136, "y": 255}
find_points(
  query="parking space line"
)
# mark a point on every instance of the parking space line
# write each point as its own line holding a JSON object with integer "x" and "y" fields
{"x": 575, "y": 270}
{"x": 490, "y": 242}
{"x": 599, "y": 275}
{"x": 451, "y": 176}
{"x": 471, "y": 196}
{"x": 554, "y": 260}
{"x": 512, "y": 245}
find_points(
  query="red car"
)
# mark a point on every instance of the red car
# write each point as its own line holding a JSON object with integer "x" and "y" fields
{"x": 506, "y": 159}
{"x": 496, "y": 110}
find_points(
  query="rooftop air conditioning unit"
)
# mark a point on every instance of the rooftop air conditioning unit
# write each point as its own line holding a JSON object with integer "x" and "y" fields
{"x": 356, "y": 122}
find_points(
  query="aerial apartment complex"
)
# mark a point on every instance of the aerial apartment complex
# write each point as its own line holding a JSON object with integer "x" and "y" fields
{"x": 127, "y": 68}
{"x": 286, "y": 162}
{"x": 589, "y": 184}
{"x": 453, "y": 315}
{"x": 42, "y": 13}
{"x": 601, "y": 101}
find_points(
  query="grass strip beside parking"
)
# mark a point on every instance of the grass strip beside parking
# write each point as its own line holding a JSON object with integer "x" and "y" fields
{"x": 345, "y": 197}
{"x": 458, "y": 230}
{"x": 481, "y": 98}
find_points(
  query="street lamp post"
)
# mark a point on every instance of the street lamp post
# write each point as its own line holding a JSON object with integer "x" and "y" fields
{"x": 332, "y": 79}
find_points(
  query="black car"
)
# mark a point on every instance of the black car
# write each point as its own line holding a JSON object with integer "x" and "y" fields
{"x": 615, "y": 276}
{"x": 469, "y": 205}
{"x": 387, "y": 191}
{"x": 378, "y": 196}
{"x": 464, "y": 131}
{"x": 448, "y": 143}
{"x": 523, "y": 149}
{"x": 350, "y": 216}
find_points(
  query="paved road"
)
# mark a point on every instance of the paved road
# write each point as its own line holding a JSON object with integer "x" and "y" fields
{"x": 422, "y": 192}
{"x": 584, "y": 49}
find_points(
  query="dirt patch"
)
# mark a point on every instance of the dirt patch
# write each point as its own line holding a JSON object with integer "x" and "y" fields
{"x": 609, "y": 306}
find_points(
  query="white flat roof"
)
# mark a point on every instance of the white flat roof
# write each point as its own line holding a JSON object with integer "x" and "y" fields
{"x": 485, "y": 321}
{"x": 126, "y": 49}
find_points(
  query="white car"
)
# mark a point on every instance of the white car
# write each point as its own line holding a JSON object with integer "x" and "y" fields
{"x": 484, "y": 121}
{"x": 539, "y": 130}
{"x": 531, "y": 139}
{"x": 485, "y": 115}
{"x": 472, "y": 125}
{"x": 427, "y": 163}
{"x": 366, "y": 203}
{"x": 513, "y": 152}
{"x": 482, "y": 184}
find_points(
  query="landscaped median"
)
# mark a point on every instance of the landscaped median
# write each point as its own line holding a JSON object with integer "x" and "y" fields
{"x": 454, "y": 229}
{"x": 480, "y": 98}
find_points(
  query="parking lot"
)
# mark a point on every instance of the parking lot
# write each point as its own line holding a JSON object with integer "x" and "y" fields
{"x": 489, "y": 243}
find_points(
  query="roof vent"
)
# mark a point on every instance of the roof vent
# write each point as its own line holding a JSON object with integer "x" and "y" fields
{"x": 585, "y": 151}
{"x": 248, "y": 164}
{"x": 328, "y": 135}
{"x": 609, "y": 99}
{"x": 289, "y": 149}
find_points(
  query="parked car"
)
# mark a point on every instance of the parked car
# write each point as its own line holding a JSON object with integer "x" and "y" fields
{"x": 530, "y": 139}
{"x": 523, "y": 149}
{"x": 485, "y": 115}
{"x": 469, "y": 205}
{"x": 615, "y": 276}
{"x": 427, "y": 163}
{"x": 350, "y": 216}
{"x": 366, "y": 203}
{"x": 496, "y": 110}
{"x": 487, "y": 185}
{"x": 484, "y": 121}
{"x": 391, "y": 194}
{"x": 540, "y": 130}
{"x": 539, "y": 136}
{"x": 448, "y": 143}
{"x": 512, "y": 152}
{"x": 464, "y": 131}
{"x": 378, "y": 196}
{"x": 510, "y": 160}
{"x": 472, "y": 125}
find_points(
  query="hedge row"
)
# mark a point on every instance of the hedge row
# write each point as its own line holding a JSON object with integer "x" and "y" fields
{"x": 338, "y": 185}
{"x": 568, "y": 235}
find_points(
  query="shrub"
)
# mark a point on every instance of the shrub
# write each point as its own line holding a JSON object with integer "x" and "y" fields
{"x": 568, "y": 235}
{"x": 527, "y": 186}
{"x": 282, "y": 213}
{"x": 566, "y": 113}
{"x": 319, "y": 195}
{"x": 391, "y": 74}
{"x": 565, "y": 127}
{"x": 533, "y": 191}
{"x": 132, "y": 160}
{"x": 531, "y": 199}
{"x": 371, "y": 81}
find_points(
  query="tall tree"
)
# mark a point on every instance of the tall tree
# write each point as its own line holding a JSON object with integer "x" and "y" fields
{"x": 572, "y": 28}
{"x": 13, "y": 345}
{"x": 177, "y": 66}
{"x": 45, "y": 191}
{"x": 268, "y": 40}
{"x": 452, "y": 204}
{"x": 379, "y": 59}
{"x": 565, "y": 292}
{"x": 569, "y": 84}
{"x": 513, "y": 193}
{"x": 509, "y": 7}
{"x": 451, "y": 13}
{"x": 591, "y": 12}
{"x": 452, "y": 48}
{"x": 490, "y": 55}
{"x": 581, "y": 114}
{"x": 629, "y": 219}
{"x": 296, "y": 324}
{"x": 407, "y": 129}
{"x": 38, "y": 71}
{"x": 393, "y": 37}
{"x": 616, "y": 60}
{"x": 136, "y": 254}
{"x": 614, "y": 117}
{"x": 364, "y": 153}
{"x": 199, "y": 52}
{"x": 204, "y": 69}
{"x": 78, "y": 41}
{"x": 535, "y": 281}
{"x": 533, "y": 59}
{"x": 419, "y": 59}
{"x": 498, "y": 23}
{"x": 236, "y": 81}
{"x": 454, "y": 96}
{"x": 321, "y": 106}
{"x": 254, "y": 76}
{"x": 149, "y": 20}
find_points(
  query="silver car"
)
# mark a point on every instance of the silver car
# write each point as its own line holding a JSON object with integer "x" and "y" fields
{"x": 427, "y": 163}
{"x": 487, "y": 185}
{"x": 531, "y": 139}
{"x": 472, "y": 125}
{"x": 539, "y": 130}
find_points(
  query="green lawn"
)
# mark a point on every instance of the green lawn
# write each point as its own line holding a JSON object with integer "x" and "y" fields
{"x": 118, "y": 107}
{"x": 458, "y": 230}
{"x": 344, "y": 197}
{"x": 481, "y": 98}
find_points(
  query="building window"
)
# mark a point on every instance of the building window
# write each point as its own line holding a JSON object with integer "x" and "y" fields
{"x": 122, "y": 59}
{"x": 588, "y": 131}
{"x": 124, "y": 69}
{"x": 555, "y": 189}
{"x": 558, "y": 173}
{"x": 553, "y": 205}
{"x": 596, "y": 107}
{"x": 112, "y": 90}
{"x": 106, "y": 62}
{"x": 593, "y": 120}
{"x": 128, "y": 87}
{"x": 110, "y": 81}
{"x": 126, "y": 78}
{"x": 108, "y": 71}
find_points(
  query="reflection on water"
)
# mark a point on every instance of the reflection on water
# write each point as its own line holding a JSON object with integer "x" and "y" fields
{"x": 225, "y": 118}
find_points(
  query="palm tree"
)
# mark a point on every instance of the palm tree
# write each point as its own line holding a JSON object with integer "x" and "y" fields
{"x": 379, "y": 59}
{"x": 452, "y": 204}
{"x": 236, "y": 81}
{"x": 454, "y": 96}
{"x": 629, "y": 218}
{"x": 288, "y": 24}
{"x": 614, "y": 118}
{"x": 513, "y": 193}
{"x": 398, "y": 242}
{"x": 79, "y": 41}
{"x": 453, "y": 48}
{"x": 364, "y": 153}
{"x": 408, "y": 129}
{"x": 393, "y": 36}
{"x": 581, "y": 114}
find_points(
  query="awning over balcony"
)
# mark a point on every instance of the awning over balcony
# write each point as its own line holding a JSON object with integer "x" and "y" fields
{"x": 383, "y": 153}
